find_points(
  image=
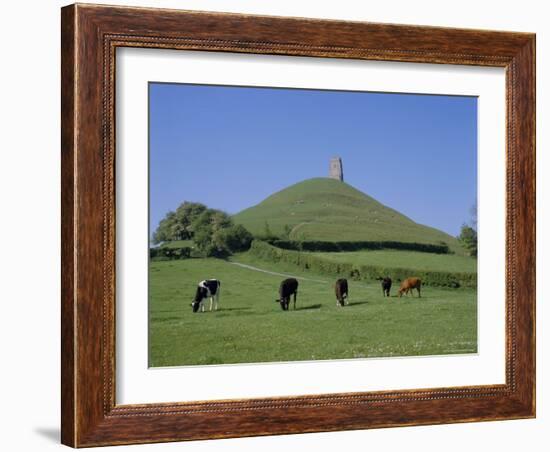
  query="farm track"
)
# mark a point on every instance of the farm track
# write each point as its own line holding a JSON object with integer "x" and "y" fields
{"x": 298, "y": 226}
{"x": 269, "y": 272}
{"x": 286, "y": 275}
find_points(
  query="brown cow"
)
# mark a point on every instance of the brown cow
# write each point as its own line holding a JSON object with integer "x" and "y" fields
{"x": 408, "y": 285}
{"x": 341, "y": 290}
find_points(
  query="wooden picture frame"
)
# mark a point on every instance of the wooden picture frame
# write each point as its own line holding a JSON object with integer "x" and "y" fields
{"x": 90, "y": 36}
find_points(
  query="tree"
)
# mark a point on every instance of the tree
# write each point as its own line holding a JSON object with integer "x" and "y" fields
{"x": 177, "y": 225}
{"x": 212, "y": 231}
{"x": 267, "y": 231}
{"x": 237, "y": 238}
{"x": 286, "y": 231}
{"x": 468, "y": 239}
{"x": 206, "y": 231}
{"x": 164, "y": 229}
{"x": 473, "y": 213}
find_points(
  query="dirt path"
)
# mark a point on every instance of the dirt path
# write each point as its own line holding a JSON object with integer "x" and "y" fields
{"x": 250, "y": 267}
{"x": 295, "y": 228}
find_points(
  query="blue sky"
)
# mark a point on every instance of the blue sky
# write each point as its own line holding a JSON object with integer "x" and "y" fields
{"x": 231, "y": 147}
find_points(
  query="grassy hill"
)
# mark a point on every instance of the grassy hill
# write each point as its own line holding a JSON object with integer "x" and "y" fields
{"x": 330, "y": 210}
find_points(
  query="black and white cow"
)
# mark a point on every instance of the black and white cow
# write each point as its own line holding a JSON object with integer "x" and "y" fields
{"x": 287, "y": 288}
{"x": 209, "y": 288}
{"x": 341, "y": 291}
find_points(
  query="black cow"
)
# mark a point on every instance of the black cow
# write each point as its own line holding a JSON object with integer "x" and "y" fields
{"x": 341, "y": 290}
{"x": 209, "y": 288}
{"x": 386, "y": 285}
{"x": 287, "y": 288}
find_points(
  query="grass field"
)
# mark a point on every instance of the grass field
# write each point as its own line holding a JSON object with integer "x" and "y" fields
{"x": 406, "y": 259}
{"x": 251, "y": 327}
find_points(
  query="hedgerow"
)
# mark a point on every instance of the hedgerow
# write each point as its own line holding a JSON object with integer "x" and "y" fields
{"x": 318, "y": 264}
{"x": 317, "y": 245}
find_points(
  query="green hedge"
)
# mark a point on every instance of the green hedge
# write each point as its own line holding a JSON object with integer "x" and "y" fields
{"x": 164, "y": 253}
{"x": 312, "y": 245}
{"x": 318, "y": 264}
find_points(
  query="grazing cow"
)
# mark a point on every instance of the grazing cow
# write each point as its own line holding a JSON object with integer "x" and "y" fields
{"x": 287, "y": 288}
{"x": 386, "y": 285}
{"x": 341, "y": 290}
{"x": 209, "y": 288}
{"x": 408, "y": 285}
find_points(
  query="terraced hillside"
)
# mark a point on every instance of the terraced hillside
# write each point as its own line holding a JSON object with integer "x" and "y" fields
{"x": 330, "y": 210}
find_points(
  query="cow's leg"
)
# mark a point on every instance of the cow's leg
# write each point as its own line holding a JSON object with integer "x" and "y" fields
{"x": 294, "y": 300}
{"x": 418, "y": 288}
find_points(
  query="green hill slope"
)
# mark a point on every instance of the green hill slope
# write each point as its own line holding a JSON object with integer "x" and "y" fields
{"x": 330, "y": 210}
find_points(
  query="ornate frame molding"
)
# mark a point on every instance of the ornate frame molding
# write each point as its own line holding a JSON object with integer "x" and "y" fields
{"x": 90, "y": 36}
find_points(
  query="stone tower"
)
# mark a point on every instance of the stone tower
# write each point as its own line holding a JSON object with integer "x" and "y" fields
{"x": 336, "y": 170}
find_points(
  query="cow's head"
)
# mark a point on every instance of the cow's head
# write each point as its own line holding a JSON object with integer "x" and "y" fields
{"x": 285, "y": 301}
{"x": 199, "y": 296}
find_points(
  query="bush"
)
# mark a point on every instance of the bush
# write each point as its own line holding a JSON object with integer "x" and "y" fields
{"x": 318, "y": 264}
{"x": 236, "y": 238}
{"x": 164, "y": 254}
{"x": 317, "y": 245}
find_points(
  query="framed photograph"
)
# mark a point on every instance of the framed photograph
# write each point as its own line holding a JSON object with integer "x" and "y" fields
{"x": 281, "y": 225}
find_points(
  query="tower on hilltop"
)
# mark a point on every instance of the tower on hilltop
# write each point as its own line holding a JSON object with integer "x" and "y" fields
{"x": 336, "y": 170}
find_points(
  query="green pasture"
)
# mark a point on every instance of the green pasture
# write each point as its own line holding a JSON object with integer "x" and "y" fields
{"x": 405, "y": 259}
{"x": 251, "y": 327}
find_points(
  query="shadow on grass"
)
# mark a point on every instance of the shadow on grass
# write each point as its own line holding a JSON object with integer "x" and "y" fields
{"x": 409, "y": 297}
{"x": 311, "y": 306}
{"x": 356, "y": 303}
